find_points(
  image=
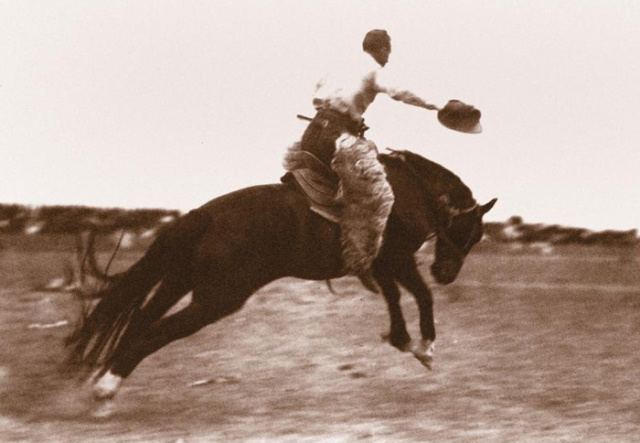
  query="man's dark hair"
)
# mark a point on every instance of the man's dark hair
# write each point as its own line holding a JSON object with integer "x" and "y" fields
{"x": 376, "y": 39}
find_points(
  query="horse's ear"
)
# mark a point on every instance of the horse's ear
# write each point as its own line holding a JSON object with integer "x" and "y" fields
{"x": 487, "y": 206}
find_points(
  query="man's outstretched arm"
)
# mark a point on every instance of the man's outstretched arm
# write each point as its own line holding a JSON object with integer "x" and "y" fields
{"x": 409, "y": 98}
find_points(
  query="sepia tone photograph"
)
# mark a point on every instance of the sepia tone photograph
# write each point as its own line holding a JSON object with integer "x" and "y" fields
{"x": 319, "y": 221}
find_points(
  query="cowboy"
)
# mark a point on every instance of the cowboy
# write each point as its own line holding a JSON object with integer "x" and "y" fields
{"x": 335, "y": 137}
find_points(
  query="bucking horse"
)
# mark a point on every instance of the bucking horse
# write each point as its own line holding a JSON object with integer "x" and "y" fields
{"x": 227, "y": 249}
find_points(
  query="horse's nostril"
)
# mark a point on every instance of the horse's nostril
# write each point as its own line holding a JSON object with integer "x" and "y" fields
{"x": 445, "y": 272}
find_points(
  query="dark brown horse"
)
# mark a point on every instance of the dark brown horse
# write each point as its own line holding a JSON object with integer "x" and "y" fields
{"x": 227, "y": 249}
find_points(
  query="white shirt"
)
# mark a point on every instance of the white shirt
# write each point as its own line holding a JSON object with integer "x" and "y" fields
{"x": 352, "y": 89}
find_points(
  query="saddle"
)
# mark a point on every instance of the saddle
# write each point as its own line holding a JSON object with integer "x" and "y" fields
{"x": 313, "y": 177}
{"x": 317, "y": 182}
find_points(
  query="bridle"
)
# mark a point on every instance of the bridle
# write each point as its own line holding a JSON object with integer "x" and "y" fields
{"x": 454, "y": 212}
{"x": 441, "y": 231}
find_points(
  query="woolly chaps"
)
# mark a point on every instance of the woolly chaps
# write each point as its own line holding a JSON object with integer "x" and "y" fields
{"x": 363, "y": 195}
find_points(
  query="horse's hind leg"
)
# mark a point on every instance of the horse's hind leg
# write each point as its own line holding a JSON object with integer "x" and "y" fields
{"x": 182, "y": 324}
{"x": 170, "y": 291}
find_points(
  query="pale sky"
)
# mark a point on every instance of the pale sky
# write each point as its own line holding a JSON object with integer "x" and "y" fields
{"x": 171, "y": 103}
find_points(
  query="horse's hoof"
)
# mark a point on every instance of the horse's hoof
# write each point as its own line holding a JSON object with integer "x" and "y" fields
{"x": 424, "y": 352}
{"x": 426, "y": 360}
{"x": 106, "y": 387}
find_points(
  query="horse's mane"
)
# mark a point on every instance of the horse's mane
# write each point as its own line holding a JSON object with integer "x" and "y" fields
{"x": 438, "y": 179}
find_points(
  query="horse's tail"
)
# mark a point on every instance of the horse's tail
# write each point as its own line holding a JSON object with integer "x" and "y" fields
{"x": 101, "y": 327}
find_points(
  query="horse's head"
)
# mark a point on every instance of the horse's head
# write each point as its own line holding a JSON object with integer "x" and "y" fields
{"x": 455, "y": 216}
{"x": 455, "y": 238}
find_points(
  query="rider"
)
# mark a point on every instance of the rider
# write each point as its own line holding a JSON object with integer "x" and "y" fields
{"x": 364, "y": 192}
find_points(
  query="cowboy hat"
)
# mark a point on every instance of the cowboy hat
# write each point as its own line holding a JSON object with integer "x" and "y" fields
{"x": 460, "y": 117}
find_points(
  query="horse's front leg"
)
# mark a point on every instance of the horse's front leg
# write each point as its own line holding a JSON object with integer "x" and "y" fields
{"x": 398, "y": 336}
{"x": 409, "y": 277}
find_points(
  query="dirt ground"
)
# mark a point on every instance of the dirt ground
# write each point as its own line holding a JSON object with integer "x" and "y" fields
{"x": 532, "y": 346}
